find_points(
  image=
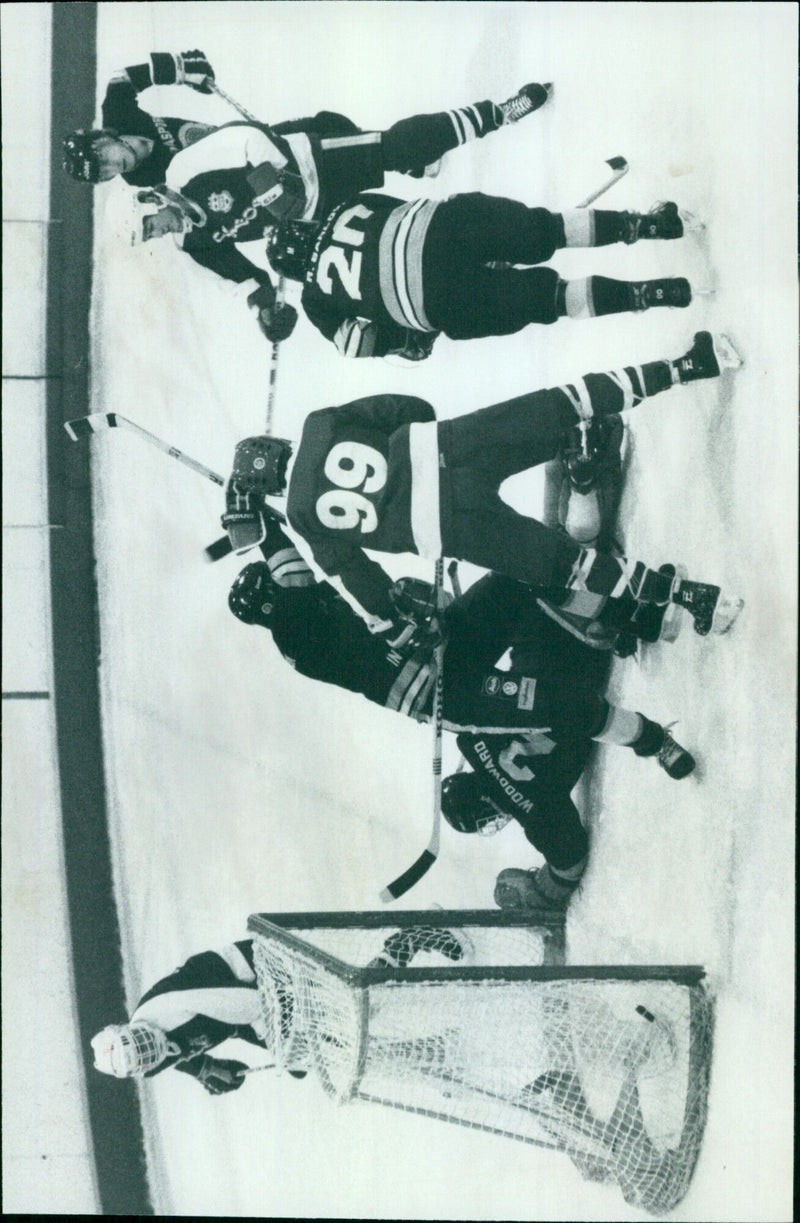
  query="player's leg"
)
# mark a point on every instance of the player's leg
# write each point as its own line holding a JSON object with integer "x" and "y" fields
{"x": 421, "y": 140}
{"x": 602, "y": 227}
{"x": 556, "y": 831}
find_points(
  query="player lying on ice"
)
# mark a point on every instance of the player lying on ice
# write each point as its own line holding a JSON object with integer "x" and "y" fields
{"x": 380, "y": 473}
{"x": 214, "y": 997}
{"x": 557, "y": 691}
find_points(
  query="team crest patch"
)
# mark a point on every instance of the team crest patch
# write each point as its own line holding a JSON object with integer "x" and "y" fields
{"x": 491, "y": 685}
{"x": 509, "y": 688}
{"x": 220, "y": 201}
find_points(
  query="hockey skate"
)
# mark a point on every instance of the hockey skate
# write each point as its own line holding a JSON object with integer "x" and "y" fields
{"x": 674, "y": 292}
{"x": 534, "y": 891}
{"x": 676, "y": 762}
{"x": 708, "y": 357}
{"x": 663, "y": 221}
{"x": 710, "y": 609}
{"x": 530, "y": 98}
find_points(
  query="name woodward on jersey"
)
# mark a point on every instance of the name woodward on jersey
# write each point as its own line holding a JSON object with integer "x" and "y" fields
{"x": 487, "y": 759}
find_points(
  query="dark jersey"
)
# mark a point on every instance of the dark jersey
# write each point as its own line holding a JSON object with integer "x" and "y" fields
{"x": 363, "y": 288}
{"x": 530, "y": 778}
{"x": 210, "y": 998}
{"x": 323, "y": 639}
{"x": 360, "y": 479}
{"x": 122, "y": 114}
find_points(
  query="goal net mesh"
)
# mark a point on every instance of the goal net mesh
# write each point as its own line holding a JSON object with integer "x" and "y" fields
{"x": 463, "y": 1016}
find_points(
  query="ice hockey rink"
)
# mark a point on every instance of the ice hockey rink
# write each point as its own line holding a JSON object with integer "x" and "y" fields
{"x": 236, "y": 786}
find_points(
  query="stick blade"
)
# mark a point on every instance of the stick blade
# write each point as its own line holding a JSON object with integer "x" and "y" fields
{"x": 617, "y": 163}
{"x": 220, "y": 548}
{"x": 409, "y": 878}
{"x": 83, "y": 426}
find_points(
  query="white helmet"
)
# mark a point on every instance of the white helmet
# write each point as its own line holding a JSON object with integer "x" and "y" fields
{"x": 154, "y": 211}
{"x": 130, "y": 1049}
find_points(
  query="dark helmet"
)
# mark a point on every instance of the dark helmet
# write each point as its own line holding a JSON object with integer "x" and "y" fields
{"x": 79, "y": 156}
{"x": 467, "y": 809}
{"x": 252, "y": 595}
{"x": 289, "y": 248}
{"x": 259, "y": 465}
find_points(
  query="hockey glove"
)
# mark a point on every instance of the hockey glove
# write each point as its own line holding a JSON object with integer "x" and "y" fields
{"x": 186, "y": 68}
{"x": 243, "y": 519}
{"x": 281, "y": 192}
{"x": 218, "y": 1076}
{"x": 418, "y": 345}
{"x": 415, "y": 599}
{"x": 277, "y": 321}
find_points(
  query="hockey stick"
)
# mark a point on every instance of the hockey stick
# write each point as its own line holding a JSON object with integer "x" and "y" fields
{"x": 452, "y": 573}
{"x": 620, "y": 167}
{"x": 425, "y": 861}
{"x": 226, "y": 97}
{"x": 84, "y": 426}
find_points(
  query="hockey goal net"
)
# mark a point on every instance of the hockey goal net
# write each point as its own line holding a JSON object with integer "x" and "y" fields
{"x": 472, "y": 1017}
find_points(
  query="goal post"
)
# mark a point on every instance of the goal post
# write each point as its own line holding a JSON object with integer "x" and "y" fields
{"x": 473, "y": 1017}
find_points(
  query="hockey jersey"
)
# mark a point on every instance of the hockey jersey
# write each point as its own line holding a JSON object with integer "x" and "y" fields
{"x": 323, "y": 639}
{"x": 122, "y": 114}
{"x": 530, "y": 778}
{"x": 365, "y": 475}
{"x": 363, "y": 287}
{"x": 207, "y": 1000}
{"x": 214, "y": 175}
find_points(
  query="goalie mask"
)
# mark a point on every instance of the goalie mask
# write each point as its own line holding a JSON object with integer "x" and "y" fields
{"x": 154, "y": 212}
{"x": 289, "y": 248}
{"x": 252, "y": 595}
{"x": 130, "y": 1050}
{"x": 467, "y": 809}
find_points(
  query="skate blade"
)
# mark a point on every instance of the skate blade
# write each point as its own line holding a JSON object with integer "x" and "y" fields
{"x": 725, "y": 352}
{"x": 691, "y": 223}
{"x": 725, "y": 615}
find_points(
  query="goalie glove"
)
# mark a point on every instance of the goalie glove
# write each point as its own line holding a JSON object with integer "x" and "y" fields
{"x": 218, "y": 1076}
{"x": 276, "y": 320}
{"x": 185, "y": 68}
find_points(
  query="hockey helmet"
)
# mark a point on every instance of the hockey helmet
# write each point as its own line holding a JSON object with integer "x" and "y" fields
{"x": 126, "y": 1050}
{"x": 467, "y": 809}
{"x": 252, "y": 595}
{"x": 289, "y": 248}
{"x": 80, "y": 158}
{"x": 259, "y": 465}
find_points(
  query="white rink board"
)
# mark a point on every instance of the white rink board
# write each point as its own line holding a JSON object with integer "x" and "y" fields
{"x": 237, "y": 786}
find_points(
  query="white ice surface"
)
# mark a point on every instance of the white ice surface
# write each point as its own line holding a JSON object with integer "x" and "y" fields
{"x": 237, "y": 786}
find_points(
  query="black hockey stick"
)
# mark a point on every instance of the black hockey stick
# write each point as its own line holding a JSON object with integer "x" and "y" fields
{"x": 85, "y": 426}
{"x": 403, "y": 883}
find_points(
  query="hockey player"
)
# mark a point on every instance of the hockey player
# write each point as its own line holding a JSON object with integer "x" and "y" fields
{"x": 321, "y": 636}
{"x": 214, "y": 997}
{"x": 380, "y": 473}
{"x": 133, "y": 143}
{"x": 384, "y": 276}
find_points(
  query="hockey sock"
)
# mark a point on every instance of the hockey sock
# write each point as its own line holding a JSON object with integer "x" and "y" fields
{"x": 413, "y": 143}
{"x": 592, "y": 296}
{"x": 604, "y": 574}
{"x": 621, "y": 727}
{"x": 569, "y": 876}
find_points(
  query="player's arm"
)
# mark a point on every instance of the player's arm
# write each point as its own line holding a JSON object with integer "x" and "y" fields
{"x": 218, "y": 1075}
{"x": 225, "y": 260}
{"x": 360, "y": 580}
{"x": 161, "y": 68}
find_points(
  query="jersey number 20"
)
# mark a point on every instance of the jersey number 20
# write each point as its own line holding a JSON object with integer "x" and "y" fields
{"x": 335, "y": 258}
{"x": 350, "y": 465}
